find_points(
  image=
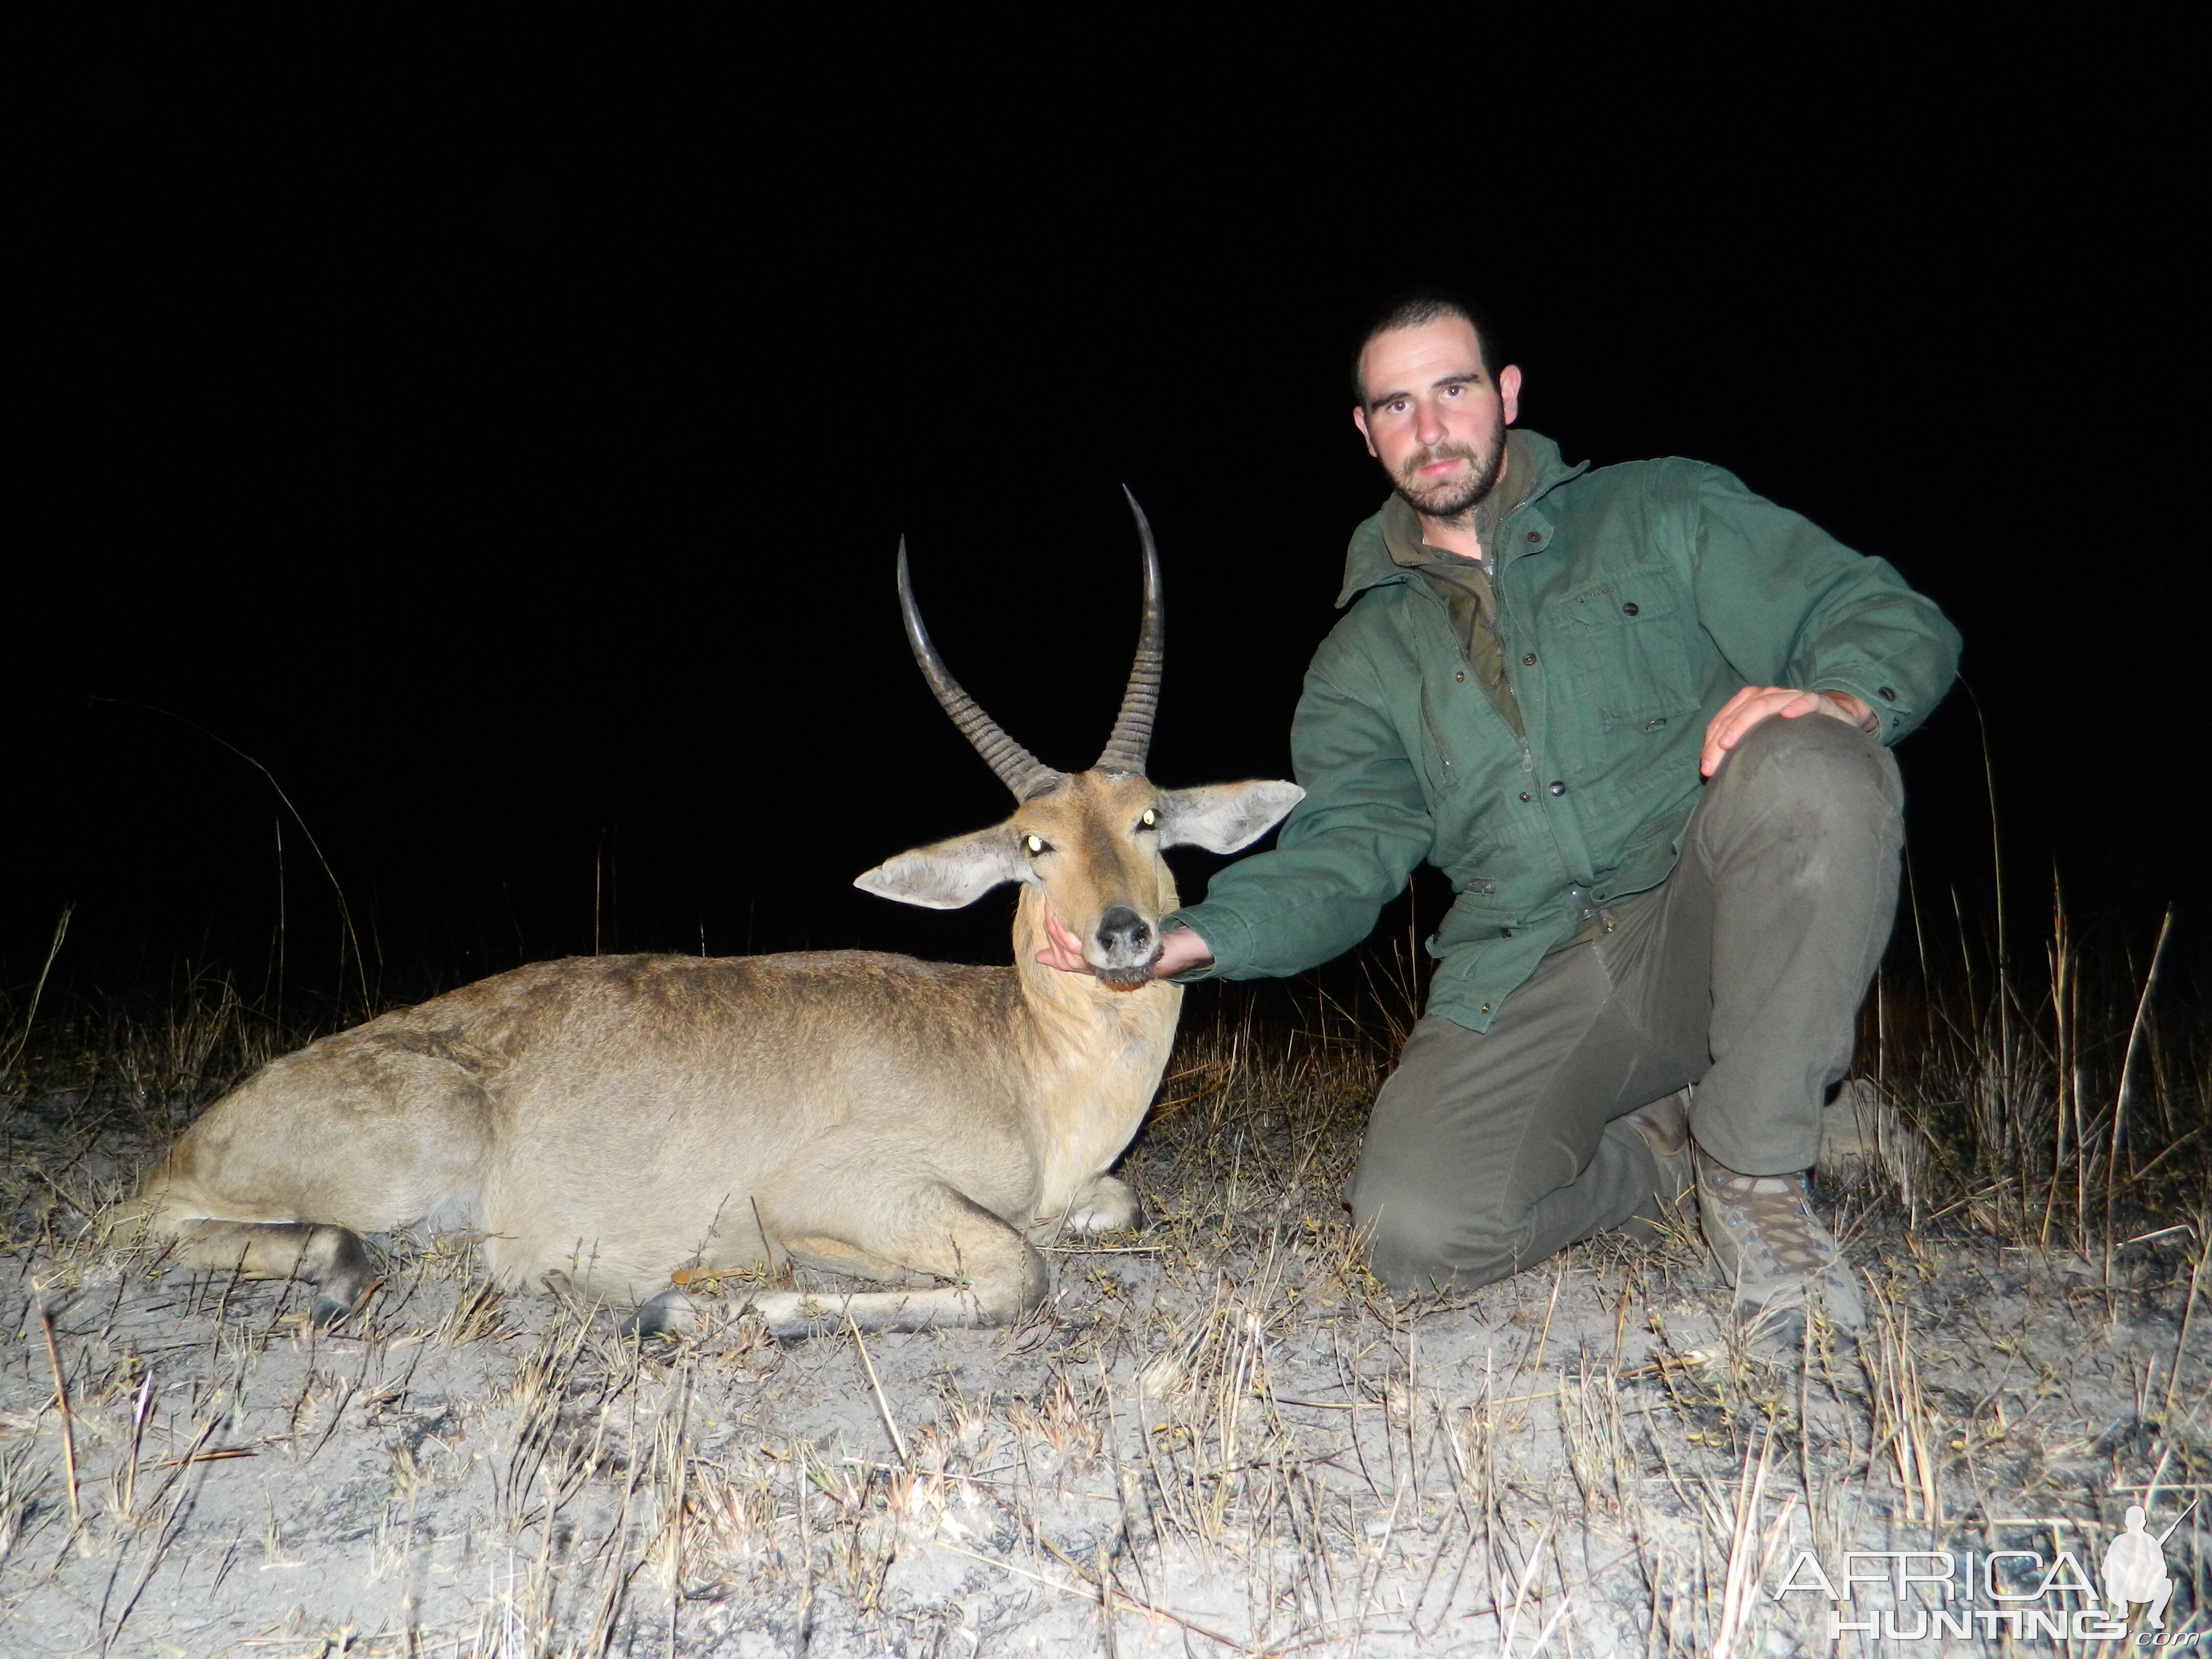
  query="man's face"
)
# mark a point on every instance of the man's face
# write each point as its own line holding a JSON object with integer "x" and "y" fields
{"x": 1433, "y": 417}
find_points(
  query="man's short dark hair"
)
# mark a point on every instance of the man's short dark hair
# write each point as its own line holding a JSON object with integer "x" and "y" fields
{"x": 1426, "y": 302}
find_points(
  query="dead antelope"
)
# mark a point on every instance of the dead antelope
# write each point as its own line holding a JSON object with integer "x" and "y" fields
{"x": 621, "y": 1119}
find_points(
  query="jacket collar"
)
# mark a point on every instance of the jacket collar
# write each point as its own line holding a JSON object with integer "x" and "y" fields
{"x": 1368, "y": 562}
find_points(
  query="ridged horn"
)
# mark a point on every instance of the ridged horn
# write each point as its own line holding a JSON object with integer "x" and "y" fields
{"x": 1018, "y": 769}
{"x": 1133, "y": 728}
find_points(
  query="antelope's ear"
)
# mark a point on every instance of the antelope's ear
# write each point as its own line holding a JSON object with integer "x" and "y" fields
{"x": 947, "y": 874}
{"x": 1223, "y": 816}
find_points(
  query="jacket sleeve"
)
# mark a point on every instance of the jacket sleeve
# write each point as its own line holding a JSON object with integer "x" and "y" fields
{"x": 1788, "y": 604}
{"x": 1344, "y": 852}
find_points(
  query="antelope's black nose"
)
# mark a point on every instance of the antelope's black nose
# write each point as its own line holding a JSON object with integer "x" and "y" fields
{"x": 1122, "y": 932}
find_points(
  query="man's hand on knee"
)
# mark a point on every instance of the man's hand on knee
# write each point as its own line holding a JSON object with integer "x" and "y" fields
{"x": 1755, "y": 704}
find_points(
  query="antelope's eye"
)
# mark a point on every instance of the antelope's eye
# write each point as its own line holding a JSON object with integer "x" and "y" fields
{"x": 1034, "y": 843}
{"x": 1151, "y": 820}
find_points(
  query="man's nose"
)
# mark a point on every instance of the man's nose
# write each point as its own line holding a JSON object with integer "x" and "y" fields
{"x": 1430, "y": 426}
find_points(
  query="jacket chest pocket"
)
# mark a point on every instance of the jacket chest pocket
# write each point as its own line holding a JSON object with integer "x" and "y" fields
{"x": 1628, "y": 646}
{"x": 1442, "y": 744}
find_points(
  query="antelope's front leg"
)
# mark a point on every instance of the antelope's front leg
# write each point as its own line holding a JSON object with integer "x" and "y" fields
{"x": 1104, "y": 1205}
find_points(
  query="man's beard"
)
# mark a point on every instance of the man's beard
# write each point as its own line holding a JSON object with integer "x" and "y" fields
{"x": 1453, "y": 496}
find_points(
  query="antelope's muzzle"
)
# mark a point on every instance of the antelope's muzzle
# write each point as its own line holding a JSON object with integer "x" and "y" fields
{"x": 1127, "y": 946}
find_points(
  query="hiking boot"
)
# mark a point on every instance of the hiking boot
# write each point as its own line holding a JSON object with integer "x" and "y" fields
{"x": 1775, "y": 1251}
{"x": 1664, "y": 1126}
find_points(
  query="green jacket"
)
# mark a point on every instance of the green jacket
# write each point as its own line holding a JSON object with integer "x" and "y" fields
{"x": 1632, "y": 602}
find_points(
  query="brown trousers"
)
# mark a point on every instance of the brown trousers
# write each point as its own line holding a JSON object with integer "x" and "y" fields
{"x": 1742, "y": 975}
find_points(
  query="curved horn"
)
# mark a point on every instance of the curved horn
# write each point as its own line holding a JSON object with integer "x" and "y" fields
{"x": 1018, "y": 769}
{"x": 1132, "y": 728}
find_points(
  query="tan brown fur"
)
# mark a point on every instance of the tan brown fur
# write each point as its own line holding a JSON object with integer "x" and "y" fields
{"x": 616, "y": 1118}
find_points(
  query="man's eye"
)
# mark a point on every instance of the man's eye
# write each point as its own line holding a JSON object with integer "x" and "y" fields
{"x": 1454, "y": 391}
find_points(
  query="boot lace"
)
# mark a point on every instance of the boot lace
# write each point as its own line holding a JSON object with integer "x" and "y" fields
{"x": 1780, "y": 1227}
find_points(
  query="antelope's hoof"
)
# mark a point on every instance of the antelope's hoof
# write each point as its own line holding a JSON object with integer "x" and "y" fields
{"x": 327, "y": 1310}
{"x": 668, "y": 1316}
{"x": 1106, "y": 1205}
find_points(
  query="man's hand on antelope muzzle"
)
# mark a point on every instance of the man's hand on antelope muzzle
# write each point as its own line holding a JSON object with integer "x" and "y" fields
{"x": 1121, "y": 936}
{"x": 1175, "y": 951}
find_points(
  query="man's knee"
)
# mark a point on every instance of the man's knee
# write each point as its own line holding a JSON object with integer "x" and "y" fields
{"x": 1413, "y": 1245}
{"x": 1817, "y": 774}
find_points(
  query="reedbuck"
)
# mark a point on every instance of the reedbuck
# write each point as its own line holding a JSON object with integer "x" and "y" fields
{"x": 635, "y": 1122}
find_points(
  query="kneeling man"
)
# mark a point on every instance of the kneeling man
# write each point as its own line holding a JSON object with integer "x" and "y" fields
{"x": 1639, "y": 717}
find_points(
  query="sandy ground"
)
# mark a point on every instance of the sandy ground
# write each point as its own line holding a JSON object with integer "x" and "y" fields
{"x": 1218, "y": 1436}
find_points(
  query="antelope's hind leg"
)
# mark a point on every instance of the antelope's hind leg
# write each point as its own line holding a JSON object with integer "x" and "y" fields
{"x": 332, "y": 1258}
{"x": 359, "y": 1133}
{"x": 933, "y": 1229}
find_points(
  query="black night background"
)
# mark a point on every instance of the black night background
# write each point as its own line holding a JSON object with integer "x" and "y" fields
{"x": 506, "y": 450}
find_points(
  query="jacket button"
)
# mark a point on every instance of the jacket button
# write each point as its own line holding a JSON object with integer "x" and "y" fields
{"x": 1628, "y": 610}
{"x": 1459, "y": 677}
{"x": 1534, "y": 536}
{"x": 1556, "y": 787}
{"x": 1528, "y": 661}
{"x": 1888, "y": 693}
{"x": 1485, "y": 1007}
{"x": 1524, "y": 794}
{"x": 1505, "y": 933}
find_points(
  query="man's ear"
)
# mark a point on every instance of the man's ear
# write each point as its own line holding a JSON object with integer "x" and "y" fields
{"x": 1359, "y": 420}
{"x": 1223, "y": 816}
{"x": 1509, "y": 391}
{"x": 947, "y": 874}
